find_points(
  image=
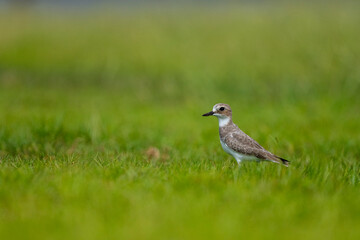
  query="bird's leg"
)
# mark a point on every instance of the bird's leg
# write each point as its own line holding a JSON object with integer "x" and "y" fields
{"x": 237, "y": 171}
{"x": 239, "y": 162}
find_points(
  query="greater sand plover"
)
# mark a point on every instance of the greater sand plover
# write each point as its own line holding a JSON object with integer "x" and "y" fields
{"x": 236, "y": 143}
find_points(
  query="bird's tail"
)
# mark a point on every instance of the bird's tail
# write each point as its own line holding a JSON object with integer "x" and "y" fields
{"x": 279, "y": 160}
{"x": 284, "y": 162}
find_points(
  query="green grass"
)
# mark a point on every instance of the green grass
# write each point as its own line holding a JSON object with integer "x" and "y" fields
{"x": 83, "y": 95}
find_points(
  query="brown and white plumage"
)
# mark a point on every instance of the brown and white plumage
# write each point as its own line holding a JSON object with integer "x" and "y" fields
{"x": 236, "y": 142}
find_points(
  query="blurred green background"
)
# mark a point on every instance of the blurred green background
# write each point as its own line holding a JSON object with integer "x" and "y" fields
{"x": 101, "y": 134}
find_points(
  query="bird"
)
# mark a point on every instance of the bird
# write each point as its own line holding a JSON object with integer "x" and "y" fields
{"x": 237, "y": 143}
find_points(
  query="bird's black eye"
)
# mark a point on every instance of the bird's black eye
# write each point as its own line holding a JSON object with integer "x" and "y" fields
{"x": 222, "y": 109}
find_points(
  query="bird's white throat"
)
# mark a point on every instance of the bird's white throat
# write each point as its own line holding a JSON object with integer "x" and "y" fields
{"x": 223, "y": 121}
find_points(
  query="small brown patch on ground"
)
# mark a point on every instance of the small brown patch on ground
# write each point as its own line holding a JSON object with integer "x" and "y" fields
{"x": 152, "y": 153}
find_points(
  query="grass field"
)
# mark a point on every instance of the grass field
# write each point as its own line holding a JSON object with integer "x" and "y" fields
{"x": 84, "y": 95}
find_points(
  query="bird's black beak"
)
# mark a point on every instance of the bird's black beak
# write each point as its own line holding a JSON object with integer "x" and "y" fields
{"x": 208, "y": 114}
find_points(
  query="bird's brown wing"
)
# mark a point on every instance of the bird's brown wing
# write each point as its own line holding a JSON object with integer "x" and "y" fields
{"x": 242, "y": 143}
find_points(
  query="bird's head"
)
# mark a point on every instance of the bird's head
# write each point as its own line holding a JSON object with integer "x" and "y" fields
{"x": 220, "y": 110}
